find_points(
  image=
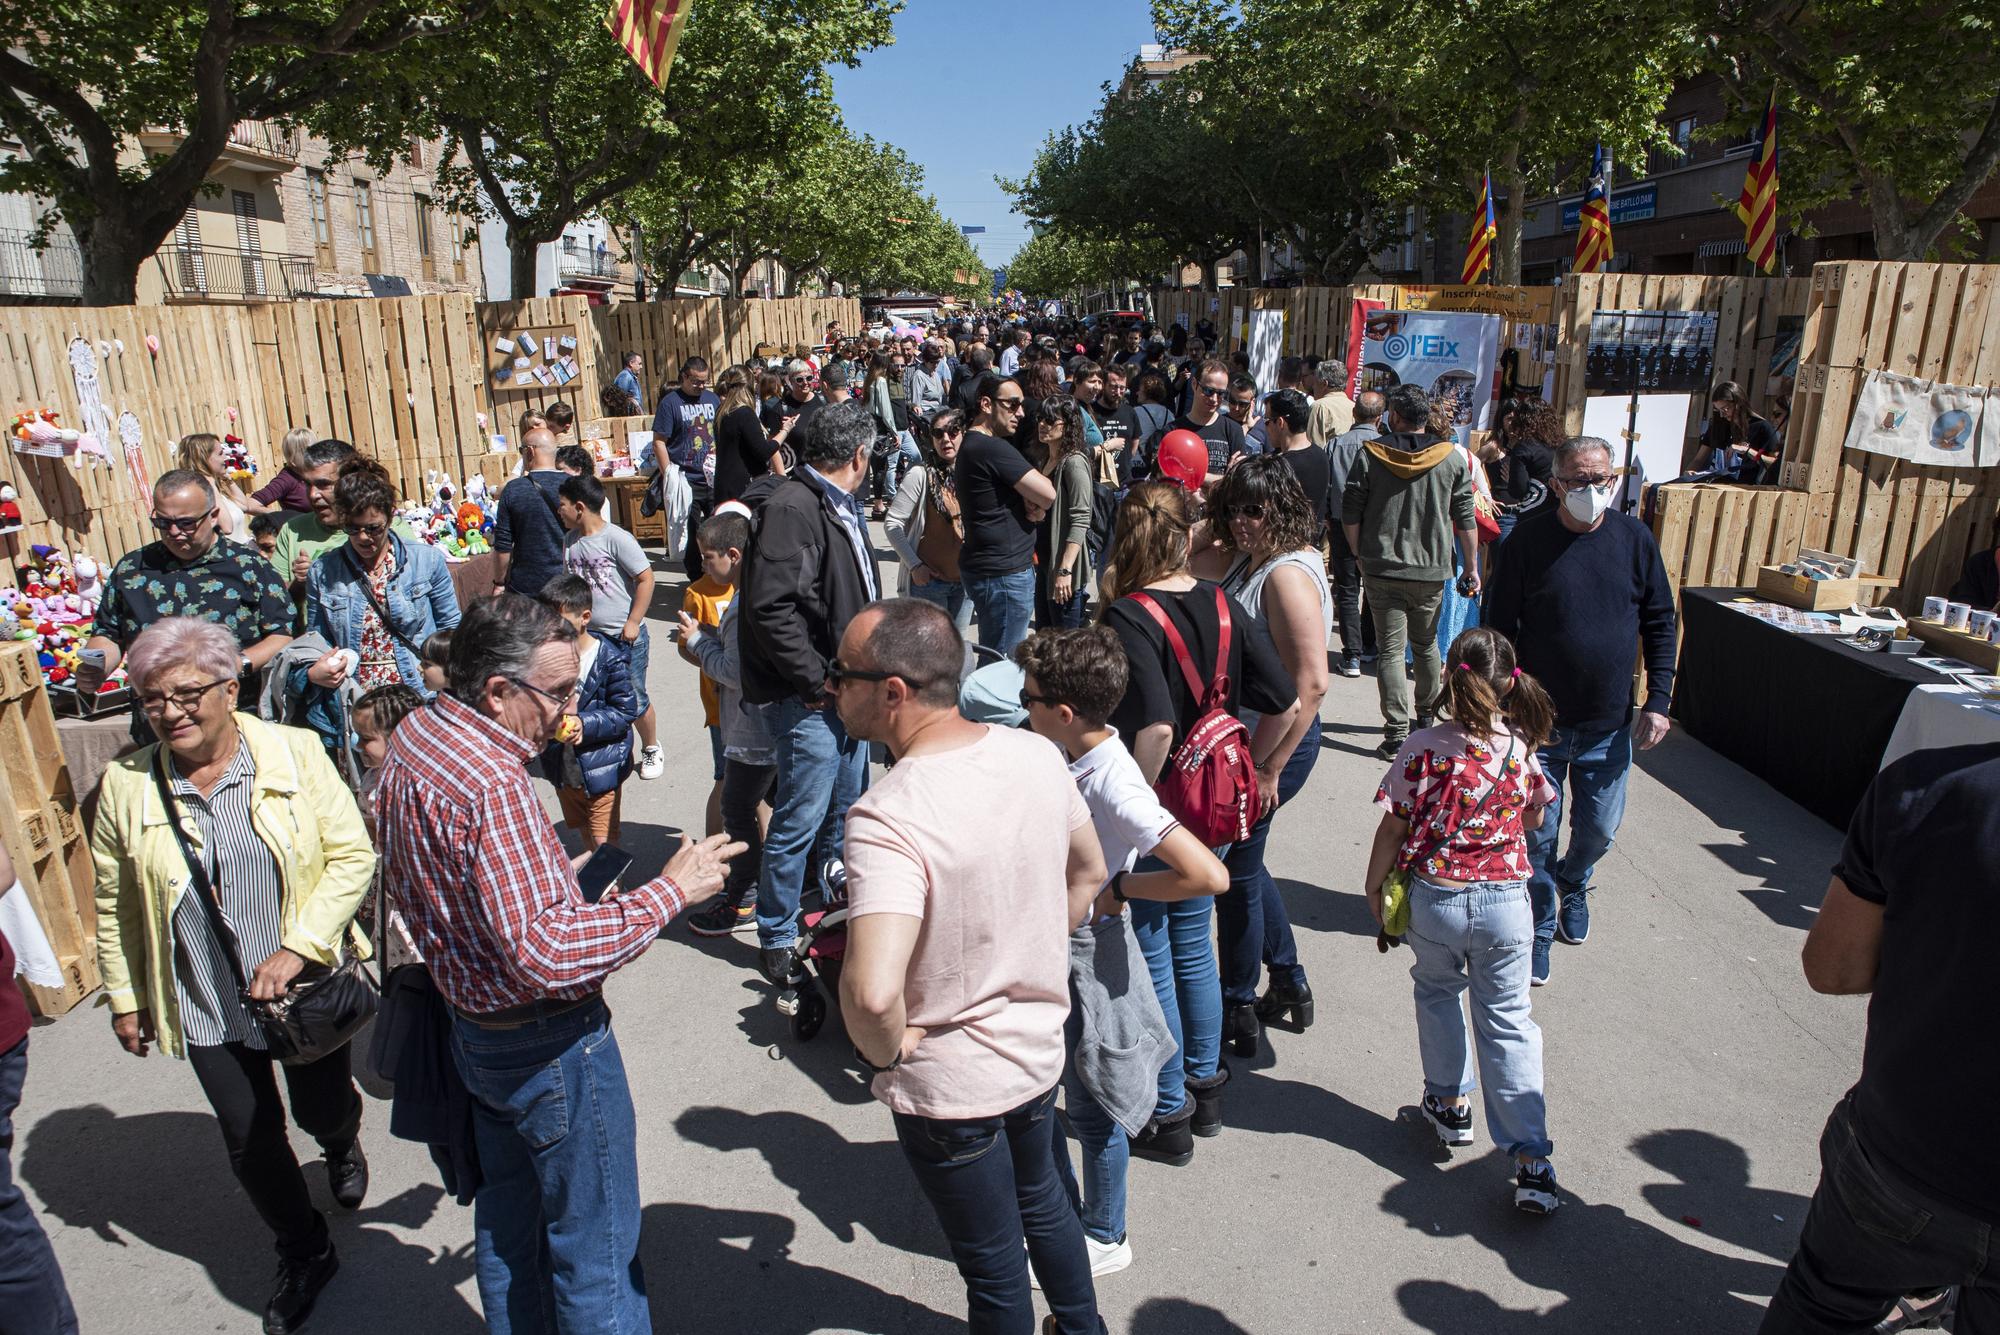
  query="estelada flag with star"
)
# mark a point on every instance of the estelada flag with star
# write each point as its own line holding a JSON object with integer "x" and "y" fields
{"x": 1593, "y": 233}
{"x": 1758, "y": 206}
{"x": 649, "y": 30}
{"x": 1479, "y": 245}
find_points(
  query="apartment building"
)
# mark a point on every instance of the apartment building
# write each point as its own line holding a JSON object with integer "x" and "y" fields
{"x": 281, "y": 217}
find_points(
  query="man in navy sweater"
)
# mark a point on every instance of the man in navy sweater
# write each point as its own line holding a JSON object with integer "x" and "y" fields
{"x": 1579, "y": 589}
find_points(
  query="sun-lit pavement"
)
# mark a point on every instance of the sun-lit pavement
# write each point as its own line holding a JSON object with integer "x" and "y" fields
{"x": 1689, "y": 1069}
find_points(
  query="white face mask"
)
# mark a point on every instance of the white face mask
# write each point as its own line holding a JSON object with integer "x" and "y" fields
{"x": 1587, "y": 504}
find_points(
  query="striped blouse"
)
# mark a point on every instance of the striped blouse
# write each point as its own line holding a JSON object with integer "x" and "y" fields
{"x": 245, "y": 875}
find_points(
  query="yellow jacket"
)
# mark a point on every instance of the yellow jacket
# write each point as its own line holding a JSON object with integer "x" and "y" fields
{"x": 300, "y": 809}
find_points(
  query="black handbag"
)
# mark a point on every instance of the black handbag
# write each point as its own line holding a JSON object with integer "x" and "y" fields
{"x": 324, "y": 1007}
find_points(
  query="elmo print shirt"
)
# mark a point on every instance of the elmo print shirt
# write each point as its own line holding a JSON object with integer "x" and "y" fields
{"x": 1439, "y": 784}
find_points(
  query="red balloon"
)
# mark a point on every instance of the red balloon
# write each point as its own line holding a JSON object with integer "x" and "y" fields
{"x": 1183, "y": 458}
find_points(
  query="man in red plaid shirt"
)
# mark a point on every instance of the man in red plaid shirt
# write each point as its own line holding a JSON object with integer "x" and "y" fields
{"x": 492, "y": 902}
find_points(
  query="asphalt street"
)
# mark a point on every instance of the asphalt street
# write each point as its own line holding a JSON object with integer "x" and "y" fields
{"x": 1689, "y": 1070}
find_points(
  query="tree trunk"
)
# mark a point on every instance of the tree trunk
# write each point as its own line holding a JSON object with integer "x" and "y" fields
{"x": 112, "y": 254}
{"x": 1209, "y": 281}
{"x": 1507, "y": 176}
{"x": 521, "y": 250}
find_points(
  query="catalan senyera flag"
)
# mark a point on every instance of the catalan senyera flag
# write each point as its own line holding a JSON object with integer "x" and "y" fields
{"x": 1479, "y": 245}
{"x": 1758, "y": 207}
{"x": 1593, "y": 233}
{"x": 649, "y": 30}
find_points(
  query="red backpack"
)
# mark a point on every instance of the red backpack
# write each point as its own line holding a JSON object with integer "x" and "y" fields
{"x": 1210, "y": 783}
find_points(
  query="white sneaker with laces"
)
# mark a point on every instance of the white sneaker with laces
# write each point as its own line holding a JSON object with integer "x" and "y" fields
{"x": 652, "y": 762}
{"x": 1106, "y": 1258}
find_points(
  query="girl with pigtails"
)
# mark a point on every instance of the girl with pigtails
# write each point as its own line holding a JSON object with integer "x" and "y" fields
{"x": 1457, "y": 805}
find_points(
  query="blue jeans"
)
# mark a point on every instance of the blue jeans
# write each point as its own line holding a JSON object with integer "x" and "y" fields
{"x": 1595, "y": 768}
{"x": 32, "y": 1294}
{"x": 556, "y": 1221}
{"x": 992, "y": 1181}
{"x": 1107, "y": 1151}
{"x": 1003, "y": 604}
{"x": 1477, "y": 939}
{"x": 821, "y": 770}
{"x": 1175, "y": 941}
{"x": 1061, "y": 616}
{"x": 1251, "y": 920}
{"x": 639, "y": 656}
{"x": 951, "y": 596}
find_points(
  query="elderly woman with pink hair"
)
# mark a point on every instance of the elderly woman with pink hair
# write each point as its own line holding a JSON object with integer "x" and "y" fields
{"x": 229, "y": 858}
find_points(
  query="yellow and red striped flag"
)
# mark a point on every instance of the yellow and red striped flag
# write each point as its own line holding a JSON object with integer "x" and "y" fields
{"x": 1593, "y": 233}
{"x": 649, "y": 30}
{"x": 1758, "y": 207}
{"x": 1479, "y": 245}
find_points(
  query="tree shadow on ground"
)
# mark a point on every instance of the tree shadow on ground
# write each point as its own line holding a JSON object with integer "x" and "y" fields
{"x": 1785, "y": 850}
{"x": 842, "y": 1184}
{"x": 711, "y": 1270}
{"x": 1615, "y": 1273}
{"x": 162, "y": 1180}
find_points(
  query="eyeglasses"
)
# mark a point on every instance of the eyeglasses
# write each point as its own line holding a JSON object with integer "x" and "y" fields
{"x": 1588, "y": 480}
{"x": 558, "y": 698}
{"x": 839, "y": 673}
{"x": 1047, "y": 701}
{"x": 364, "y": 530}
{"x": 1253, "y": 510}
{"x": 1211, "y": 391}
{"x": 178, "y": 523}
{"x": 187, "y": 699}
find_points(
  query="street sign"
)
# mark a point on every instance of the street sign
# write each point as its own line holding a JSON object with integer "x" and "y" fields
{"x": 968, "y": 231}
{"x": 1632, "y": 206}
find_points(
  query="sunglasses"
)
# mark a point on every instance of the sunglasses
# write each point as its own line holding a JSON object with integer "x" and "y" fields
{"x": 1047, "y": 701}
{"x": 364, "y": 530}
{"x": 1009, "y": 404}
{"x": 839, "y": 673}
{"x": 1245, "y": 404}
{"x": 176, "y": 524}
{"x": 1254, "y": 510}
{"x": 1211, "y": 391}
{"x": 1590, "y": 480}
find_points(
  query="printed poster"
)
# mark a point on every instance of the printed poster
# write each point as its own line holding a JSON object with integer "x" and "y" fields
{"x": 1450, "y": 355}
{"x": 1653, "y": 352}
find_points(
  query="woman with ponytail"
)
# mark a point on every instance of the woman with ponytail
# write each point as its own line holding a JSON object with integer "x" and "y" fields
{"x": 1457, "y": 805}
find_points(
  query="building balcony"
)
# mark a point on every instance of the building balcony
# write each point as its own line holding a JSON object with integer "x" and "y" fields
{"x": 585, "y": 266}
{"x": 254, "y": 146}
{"x": 52, "y": 273}
{"x": 214, "y": 273}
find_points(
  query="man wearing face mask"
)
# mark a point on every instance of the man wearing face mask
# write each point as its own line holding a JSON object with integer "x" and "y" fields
{"x": 1575, "y": 588}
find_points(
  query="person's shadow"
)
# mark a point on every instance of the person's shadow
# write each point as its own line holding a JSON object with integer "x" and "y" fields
{"x": 1593, "y": 1254}
{"x": 823, "y": 1057}
{"x": 710, "y": 1270}
{"x": 1180, "y": 1316}
{"x": 843, "y": 1184}
{"x": 1714, "y": 1187}
{"x": 163, "y": 1180}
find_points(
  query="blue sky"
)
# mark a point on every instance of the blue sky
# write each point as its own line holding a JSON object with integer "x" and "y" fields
{"x": 1018, "y": 69}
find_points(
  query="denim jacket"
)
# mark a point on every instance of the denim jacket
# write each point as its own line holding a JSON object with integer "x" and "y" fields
{"x": 420, "y": 602}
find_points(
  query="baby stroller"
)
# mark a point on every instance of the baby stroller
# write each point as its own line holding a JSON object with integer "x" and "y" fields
{"x": 817, "y": 954}
{"x": 813, "y": 981}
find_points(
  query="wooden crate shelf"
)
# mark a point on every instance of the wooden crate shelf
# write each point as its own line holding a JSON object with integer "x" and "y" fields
{"x": 44, "y": 832}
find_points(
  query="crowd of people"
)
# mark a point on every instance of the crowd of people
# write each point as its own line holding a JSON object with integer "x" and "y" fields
{"x": 1151, "y": 558}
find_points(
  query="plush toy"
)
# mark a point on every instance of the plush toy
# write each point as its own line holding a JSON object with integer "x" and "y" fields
{"x": 91, "y": 448}
{"x": 10, "y": 508}
{"x": 236, "y": 460}
{"x": 42, "y": 433}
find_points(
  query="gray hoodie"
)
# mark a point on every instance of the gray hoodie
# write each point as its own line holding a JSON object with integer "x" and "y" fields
{"x": 1407, "y": 494}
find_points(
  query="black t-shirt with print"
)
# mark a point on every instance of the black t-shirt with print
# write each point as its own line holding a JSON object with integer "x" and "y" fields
{"x": 999, "y": 540}
{"x": 1222, "y": 435}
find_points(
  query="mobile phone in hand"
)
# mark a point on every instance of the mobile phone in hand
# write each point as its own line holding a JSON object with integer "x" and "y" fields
{"x": 602, "y": 870}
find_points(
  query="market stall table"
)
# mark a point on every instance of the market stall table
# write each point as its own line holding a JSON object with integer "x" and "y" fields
{"x": 1942, "y": 715}
{"x": 473, "y": 577}
{"x": 1808, "y": 714}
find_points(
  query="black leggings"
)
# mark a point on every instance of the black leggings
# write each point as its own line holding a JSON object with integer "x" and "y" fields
{"x": 243, "y": 1090}
{"x": 743, "y": 787}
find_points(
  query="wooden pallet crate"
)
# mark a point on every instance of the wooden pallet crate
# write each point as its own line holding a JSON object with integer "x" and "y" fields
{"x": 43, "y": 831}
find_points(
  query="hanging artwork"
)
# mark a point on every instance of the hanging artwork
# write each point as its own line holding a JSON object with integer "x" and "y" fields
{"x": 135, "y": 459}
{"x": 89, "y": 391}
{"x": 1925, "y": 422}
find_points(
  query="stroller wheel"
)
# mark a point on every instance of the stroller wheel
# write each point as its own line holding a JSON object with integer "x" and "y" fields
{"x": 810, "y": 1015}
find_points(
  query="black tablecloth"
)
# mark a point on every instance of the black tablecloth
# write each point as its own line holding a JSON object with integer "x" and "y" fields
{"x": 1808, "y": 714}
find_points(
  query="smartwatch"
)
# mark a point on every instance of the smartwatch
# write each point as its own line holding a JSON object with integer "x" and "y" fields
{"x": 894, "y": 1061}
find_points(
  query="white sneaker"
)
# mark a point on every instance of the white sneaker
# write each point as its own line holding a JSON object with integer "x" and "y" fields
{"x": 1106, "y": 1258}
{"x": 652, "y": 762}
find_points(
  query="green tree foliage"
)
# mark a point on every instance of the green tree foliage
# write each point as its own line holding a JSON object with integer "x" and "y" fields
{"x": 555, "y": 120}
{"x": 1896, "y": 104}
{"x": 1058, "y": 263}
{"x": 79, "y": 81}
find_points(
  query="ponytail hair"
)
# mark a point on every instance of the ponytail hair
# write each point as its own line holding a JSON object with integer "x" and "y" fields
{"x": 1481, "y": 682}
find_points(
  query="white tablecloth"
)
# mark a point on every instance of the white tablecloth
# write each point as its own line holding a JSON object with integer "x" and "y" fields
{"x": 1937, "y": 716}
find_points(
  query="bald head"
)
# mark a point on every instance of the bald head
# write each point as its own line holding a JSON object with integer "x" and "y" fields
{"x": 539, "y": 448}
{"x": 1369, "y": 406}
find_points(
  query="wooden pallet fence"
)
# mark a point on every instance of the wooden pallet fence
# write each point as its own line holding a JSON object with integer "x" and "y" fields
{"x": 1721, "y": 534}
{"x": 43, "y": 832}
{"x": 1931, "y": 321}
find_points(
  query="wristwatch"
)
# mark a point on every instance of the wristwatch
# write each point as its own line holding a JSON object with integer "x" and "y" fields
{"x": 894, "y": 1061}
{"x": 1118, "y": 888}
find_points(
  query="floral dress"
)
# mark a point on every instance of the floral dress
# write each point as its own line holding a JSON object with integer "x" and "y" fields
{"x": 1440, "y": 783}
{"x": 378, "y": 646}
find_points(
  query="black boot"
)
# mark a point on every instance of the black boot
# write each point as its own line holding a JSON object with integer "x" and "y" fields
{"x": 347, "y": 1174}
{"x": 1169, "y": 1142}
{"x": 1240, "y": 1028}
{"x": 1208, "y": 1101}
{"x": 299, "y": 1283}
{"x": 1286, "y": 1006}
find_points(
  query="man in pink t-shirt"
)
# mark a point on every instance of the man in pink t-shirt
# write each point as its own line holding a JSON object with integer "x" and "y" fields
{"x": 967, "y": 867}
